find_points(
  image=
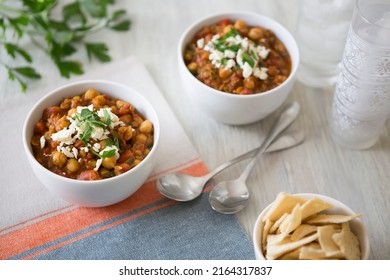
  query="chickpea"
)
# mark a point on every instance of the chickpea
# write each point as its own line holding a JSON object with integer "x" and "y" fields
{"x": 114, "y": 110}
{"x": 90, "y": 94}
{"x": 141, "y": 138}
{"x": 273, "y": 70}
{"x": 205, "y": 55}
{"x": 227, "y": 29}
{"x": 255, "y": 33}
{"x": 62, "y": 123}
{"x": 82, "y": 153}
{"x": 193, "y": 67}
{"x": 72, "y": 165}
{"x": 72, "y": 111}
{"x": 103, "y": 144}
{"x": 109, "y": 162}
{"x": 65, "y": 105}
{"x": 146, "y": 127}
{"x": 99, "y": 101}
{"x": 239, "y": 90}
{"x": 249, "y": 83}
{"x": 188, "y": 56}
{"x": 125, "y": 118}
{"x": 136, "y": 162}
{"x": 58, "y": 158}
{"x": 241, "y": 26}
{"x": 125, "y": 132}
{"x": 76, "y": 101}
{"x": 224, "y": 72}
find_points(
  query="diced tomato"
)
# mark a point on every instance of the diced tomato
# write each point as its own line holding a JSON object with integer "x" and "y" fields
{"x": 39, "y": 127}
{"x": 127, "y": 154}
{"x": 55, "y": 144}
{"x": 88, "y": 175}
{"x": 50, "y": 111}
{"x": 78, "y": 143}
{"x": 224, "y": 22}
{"x": 246, "y": 91}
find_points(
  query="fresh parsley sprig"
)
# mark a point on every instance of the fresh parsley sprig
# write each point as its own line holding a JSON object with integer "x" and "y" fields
{"x": 59, "y": 38}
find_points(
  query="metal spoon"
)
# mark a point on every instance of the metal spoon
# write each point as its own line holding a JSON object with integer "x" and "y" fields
{"x": 182, "y": 187}
{"x": 232, "y": 196}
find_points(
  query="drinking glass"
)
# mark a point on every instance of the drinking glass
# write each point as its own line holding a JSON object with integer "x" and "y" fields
{"x": 361, "y": 103}
{"x": 321, "y": 32}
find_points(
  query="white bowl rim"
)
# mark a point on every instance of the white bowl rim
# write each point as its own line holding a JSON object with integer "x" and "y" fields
{"x": 239, "y": 14}
{"x": 88, "y": 182}
{"x": 335, "y": 202}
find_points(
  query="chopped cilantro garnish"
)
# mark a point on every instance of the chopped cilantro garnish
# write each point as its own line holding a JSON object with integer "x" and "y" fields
{"x": 107, "y": 117}
{"x": 247, "y": 58}
{"x": 86, "y": 135}
{"x": 108, "y": 153}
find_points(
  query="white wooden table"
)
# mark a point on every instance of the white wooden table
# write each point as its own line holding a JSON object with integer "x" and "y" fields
{"x": 360, "y": 179}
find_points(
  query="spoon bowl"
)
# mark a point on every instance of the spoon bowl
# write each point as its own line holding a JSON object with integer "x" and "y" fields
{"x": 183, "y": 187}
{"x": 230, "y": 197}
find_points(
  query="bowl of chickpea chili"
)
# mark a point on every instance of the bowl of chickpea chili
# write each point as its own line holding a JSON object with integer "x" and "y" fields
{"x": 93, "y": 143}
{"x": 237, "y": 67}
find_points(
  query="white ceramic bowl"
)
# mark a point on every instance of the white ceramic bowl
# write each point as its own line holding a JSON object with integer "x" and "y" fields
{"x": 231, "y": 108}
{"x": 357, "y": 226}
{"x": 101, "y": 192}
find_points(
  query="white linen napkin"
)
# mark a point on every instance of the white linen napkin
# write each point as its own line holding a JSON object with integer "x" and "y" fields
{"x": 23, "y": 198}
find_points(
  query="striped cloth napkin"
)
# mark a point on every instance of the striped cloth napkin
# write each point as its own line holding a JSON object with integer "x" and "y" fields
{"x": 35, "y": 224}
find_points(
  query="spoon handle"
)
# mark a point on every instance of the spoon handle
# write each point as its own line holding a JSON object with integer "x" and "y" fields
{"x": 287, "y": 117}
{"x": 286, "y": 140}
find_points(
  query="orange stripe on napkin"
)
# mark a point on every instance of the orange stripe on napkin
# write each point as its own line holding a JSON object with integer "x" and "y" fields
{"x": 74, "y": 220}
{"x": 134, "y": 216}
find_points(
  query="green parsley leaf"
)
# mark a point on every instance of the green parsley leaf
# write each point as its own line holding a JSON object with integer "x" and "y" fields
{"x": 72, "y": 13}
{"x": 38, "y": 6}
{"x": 118, "y": 14}
{"x": 96, "y": 8}
{"x": 247, "y": 58}
{"x": 108, "y": 153}
{"x": 107, "y": 117}
{"x": 86, "y": 136}
{"x": 121, "y": 26}
{"x": 13, "y": 49}
{"x": 69, "y": 67}
{"x": 27, "y": 72}
{"x": 234, "y": 48}
{"x": 98, "y": 50}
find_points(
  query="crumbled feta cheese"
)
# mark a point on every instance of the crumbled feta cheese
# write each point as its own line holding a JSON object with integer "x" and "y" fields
{"x": 96, "y": 147}
{"x": 98, "y": 163}
{"x": 245, "y": 44}
{"x": 216, "y": 55}
{"x": 85, "y": 149}
{"x": 75, "y": 152}
{"x": 261, "y": 73}
{"x": 200, "y": 43}
{"x": 97, "y": 133}
{"x": 42, "y": 141}
{"x": 66, "y": 151}
{"x": 246, "y": 70}
{"x": 215, "y": 38}
{"x": 64, "y": 135}
{"x": 239, "y": 58}
{"x": 230, "y": 63}
{"x": 262, "y": 51}
{"x": 229, "y": 54}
